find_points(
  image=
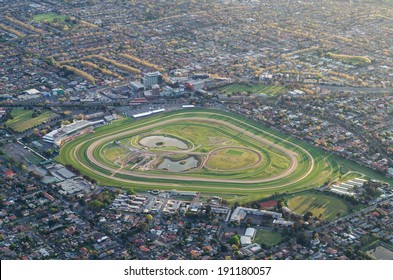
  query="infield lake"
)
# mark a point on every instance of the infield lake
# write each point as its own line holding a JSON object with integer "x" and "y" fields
{"x": 179, "y": 166}
{"x": 162, "y": 141}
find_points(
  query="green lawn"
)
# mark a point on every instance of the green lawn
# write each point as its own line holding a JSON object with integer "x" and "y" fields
{"x": 201, "y": 134}
{"x": 267, "y": 237}
{"x": 254, "y": 89}
{"x": 23, "y": 120}
{"x": 223, "y": 160}
{"x": 234, "y": 152}
{"x": 113, "y": 153}
{"x": 49, "y": 17}
{"x": 326, "y": 206}
{"x": 350, "y": 175}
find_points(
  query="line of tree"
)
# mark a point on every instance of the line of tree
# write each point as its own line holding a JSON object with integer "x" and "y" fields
{"x": 351, "y": 59}
{"x": 117, "y": 64}
{"x": 11, "y": 30}
{"x": 103, "y": 70}
{"x": 79, "y": 72}
{"x": 142, "y": 62}
{"x": 25, "y": 25}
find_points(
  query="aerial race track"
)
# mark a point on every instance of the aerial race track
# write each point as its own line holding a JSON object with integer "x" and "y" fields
{"x": 198, "y": 150}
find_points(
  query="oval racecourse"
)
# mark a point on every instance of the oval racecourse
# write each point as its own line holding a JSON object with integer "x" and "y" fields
{"x": 237, "y": 158}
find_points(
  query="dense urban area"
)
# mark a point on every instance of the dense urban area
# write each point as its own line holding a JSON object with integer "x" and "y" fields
{"x": 319, "y": 72}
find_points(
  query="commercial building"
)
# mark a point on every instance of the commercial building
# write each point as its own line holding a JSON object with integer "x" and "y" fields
{"x": 348, "y": 187}
{"x": 251, "y": 249}
{"x": 137, "y": 89}
{"x": 136, "y": 86}
{"x": 189, "y": 194}
{"x": 245, "y": 240}
{"x": 59, "y": 136}
{"x": 153, "y": 78}
{"x": 250, "y": 232}
{"x": 240, "y": 213}
{"x": 283, "y": 223}
{"x": 74, "y": 186}
{"x": 145, "y": 114}
{"x": 61, "y": 173}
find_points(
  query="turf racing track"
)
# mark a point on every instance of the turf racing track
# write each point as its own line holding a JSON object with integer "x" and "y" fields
{"x": 290, "y": 154}
{"x": 284, "y": 164}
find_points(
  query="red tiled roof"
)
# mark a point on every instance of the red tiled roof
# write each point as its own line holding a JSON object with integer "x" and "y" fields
{"x": 84, "y": 250}
{"x": 268, "y": 204}
{"x": 143, "y": 248}
{"x": 48, "y": 196}
{"x": 9, "y": 173}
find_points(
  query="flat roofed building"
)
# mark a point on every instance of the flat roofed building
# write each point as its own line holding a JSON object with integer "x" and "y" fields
{"x": 241, "y": 212}
{"x": 153, "y": 78}
{"x": 250, "y": 232}
{"x": 137, "y": 87}
{"x": 283, "y": 223}
{"x": 32, "y": 91}
{"x": 65, "y": 173}
{"x": 245, "y": 240}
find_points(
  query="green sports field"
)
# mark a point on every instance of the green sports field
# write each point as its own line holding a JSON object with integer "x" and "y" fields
{"x": 49, "y": 17}
{"x": 267, "y": 237}
{"x": 327, "y": 207}
{"x": 217, "y": 152}
{"x": 22, "y": 119}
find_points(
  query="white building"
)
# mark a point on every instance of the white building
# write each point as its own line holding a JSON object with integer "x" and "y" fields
{"x": 245, "y": 240}
{"x": 32, "y": 91}
{"x": 283, "y": 223}
{"x": 241, "y": 212}
{"x": 150, "y": 79}
{"x": 58, "y": 135}
{"x": 250, "y": 232}
{"x": 390, "y": 172}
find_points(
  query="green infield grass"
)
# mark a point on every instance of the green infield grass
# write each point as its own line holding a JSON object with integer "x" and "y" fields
{"x": 230, "y": 159}
{"x": 234, "y": 152}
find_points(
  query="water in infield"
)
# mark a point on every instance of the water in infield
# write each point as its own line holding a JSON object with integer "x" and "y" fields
{"x": 162, "y": 141}
{"x": 179, "y": 166}
{"x": 248, "y": 159}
